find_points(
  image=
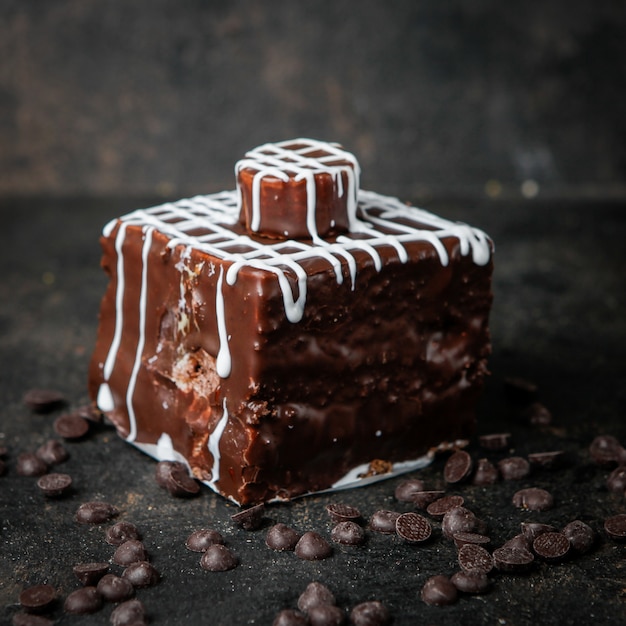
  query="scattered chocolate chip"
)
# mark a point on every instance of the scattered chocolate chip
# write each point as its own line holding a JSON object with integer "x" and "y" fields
{"x": 616, "y": 481}
{"x": 422, "y": 499}
{"x": 486, "y": 473}
{"x": 439, "y": 590}
{"x": 282, "y": 538}
{"x": 38, "y": 598}
{"x": 538, "y": 414}
{"x": 55, "y": 485}
{"x": 413, "y": 528}
{"x": 371, "y": 613}
{"x": 458, "y": 467}
{"x": 405, "y": 490}
{"x": 519, "y": 391}
{"x": 348, "y": 533}
{"x": 128, "y": 613}
{"x": 384, "y": 521}
{"x": 82, "y": 601}
{"x": 512, "y": 560}
{"x": 340, "y": 512}
{"x": 326, "y": 615}
{"x": 470, "y": 582}
{"x": 441, "y": 506}
{"x": 312, "y": 547}
{"x": 519, "y": 542}
{"x": 218, "y": 558}
{"x": 141, "y": 574}
{"x": 70, "y": 426}
{"x": 462, "y": 538}
{"x": 546, "y": 460}
{"x": 89, "y": 574}
{"x": 290, "y": 617}
{"x": 458, "y": 520}
{"x": 120, "y": 532}
{"x": 173, "y": 476}
{"x": 581, "y": 536}
{"x": 44, "y": 400}
{"x": 250, "y": 519}
{"x": 551, "y": 546}
{"x": 52, "y": 452}
{"x": 200, "y": 540}
{"x": 514, "y": 468}
{"x": 114, "y": 588}
{"x": 29, "y": 619}
{"x": 130, "y": 551}
{"x": 29, "y": 464}
{"x": 615, "y": 527}
{"x": 96, "y": 512}
{"x": 495, "y": 441}
{"x": 606, "y": 451}
{"x": 533, "y": 499}
{"x": 89, "y": 412}
{"x": 473, "y": 557}
{"x": 315, "y": 594}
{"x": 532, "y": 530}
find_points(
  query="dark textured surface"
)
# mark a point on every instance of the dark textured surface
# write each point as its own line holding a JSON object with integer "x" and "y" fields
{"x": 155, "y": 96}
{"x": 558, "y": 319}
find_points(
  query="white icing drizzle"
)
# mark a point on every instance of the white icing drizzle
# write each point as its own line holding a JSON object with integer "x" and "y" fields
{"x": 214, "y": 445}
{"x": 284, "y": 161}
{"x": 223, "y": 361}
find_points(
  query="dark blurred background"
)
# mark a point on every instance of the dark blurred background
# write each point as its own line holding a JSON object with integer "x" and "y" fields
{"x": 435, "y": 97}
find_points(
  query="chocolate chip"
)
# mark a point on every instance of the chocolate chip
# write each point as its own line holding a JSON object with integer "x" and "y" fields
{"x": 200, "y": 540}
{"x": 120, "y": 532}
{"x": 312, "y": 547}
{"x": 546, "y": 460}
{"x": 384, "y": 521}
{"x": 533, "y": 499}
{"x": 422, "y": 499}
{"x": 458, "y": 520}
{"x": 326, "y": 615}
{"x": 282, "y": 538}
{"x": 538, "y": 414}
{"x": 89, "y": 574}
{"x": 29, "y": 464}
{"x": 606, "y": 451}
{"x": 458, "y": 467}
{"x": 95, "y": 512}
{"x": 315, "y": 594}
{"x": 340, "y": 512}
{"x": 115, "y": 588}
{"x": 486, "y": 473}
{"x": 514, "y": 468}
{"x": 581, "y": 536}
{"x": 173, "y": 476}
{"x": 470, "y": 582}
{"x": 70, "y": 426}
{"x": 405, "y": 490}
{"x": 532, "y": 530}
{"x": 413, "y": 528}
{"x": 250, "y": 519}
{"x": 218, "y": 558}
{"x": 348, "y": 533}
{"x": 441, "y": 506}
{"x": 130, "y": 551}
{"x": 290, "y": 617}
{"x": 551, "y": 546}
{"x": 52, "y": 452}
{"x": 495, "y": 441}
{"x": 616, "y": 481}
{"x": 519, "y": 542}
{"x": 38, "y": 598}
{"x": 615, "y": 527}
{"x": 439, "y": 591}
{"x": 28, "y": 619}
{"x": 371, "y": 613}
{"x": 55, "y": 485}
{"x": 462, "y": 538}
{"x": 89, "y": 412}
{"x": 82, "y": 601}
{"x": 141, "y": 574}
{"x": 519, "y": 391}
{"x": 512, "y": 560}
{"x": 44, "y": 400}
{"x": 473, "y": 557}
{"x": 128, "y": 613}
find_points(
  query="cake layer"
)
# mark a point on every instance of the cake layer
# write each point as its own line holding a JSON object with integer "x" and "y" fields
{"x": 275, "y": 368}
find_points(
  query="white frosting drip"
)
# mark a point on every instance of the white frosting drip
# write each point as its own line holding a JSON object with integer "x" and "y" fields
{"x": 105, "y": 398}
{"x": 214, "y": 446}
{"x": 223, "y": 361}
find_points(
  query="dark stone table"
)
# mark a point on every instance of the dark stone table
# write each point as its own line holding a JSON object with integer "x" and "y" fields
{"x": 558, "y": 320}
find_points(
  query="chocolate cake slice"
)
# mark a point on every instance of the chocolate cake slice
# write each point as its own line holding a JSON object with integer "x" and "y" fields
{"x": 295, "y": 334}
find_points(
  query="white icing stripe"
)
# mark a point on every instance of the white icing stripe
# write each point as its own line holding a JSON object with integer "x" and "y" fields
{"x": 214, "y": 446}
{"x": 223, "y": 361}
{"x": 130, "y": 392}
